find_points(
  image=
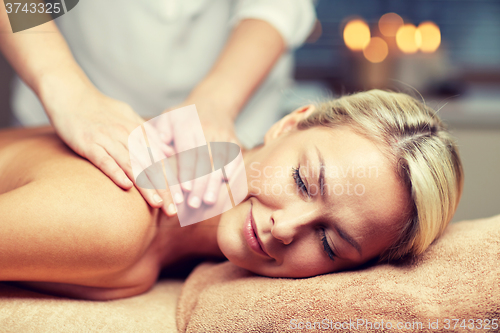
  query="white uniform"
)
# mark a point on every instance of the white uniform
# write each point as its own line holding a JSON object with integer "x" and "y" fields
{"x": 151, "y": 53}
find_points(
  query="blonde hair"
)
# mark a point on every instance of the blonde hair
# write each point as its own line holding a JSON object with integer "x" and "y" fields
{"x": 425, "y": 158}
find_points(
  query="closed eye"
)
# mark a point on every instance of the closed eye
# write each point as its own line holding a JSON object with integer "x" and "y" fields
{"x": 298, "y": 180}
{"x": 326, "y": 246}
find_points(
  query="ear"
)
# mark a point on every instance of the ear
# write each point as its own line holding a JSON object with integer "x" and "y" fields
{"x": 288, "y": 122}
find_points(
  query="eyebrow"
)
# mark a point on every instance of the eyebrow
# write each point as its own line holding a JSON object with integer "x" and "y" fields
{"x": 349, "y": 239}
{"x": 321, "y": 181}
{"x": 321, "y": 178}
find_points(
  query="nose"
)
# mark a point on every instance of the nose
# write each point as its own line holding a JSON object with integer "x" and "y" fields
{"x": 287, "y": 226}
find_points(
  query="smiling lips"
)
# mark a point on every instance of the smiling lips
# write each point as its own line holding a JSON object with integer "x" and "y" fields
{"x": 250, "y": 233}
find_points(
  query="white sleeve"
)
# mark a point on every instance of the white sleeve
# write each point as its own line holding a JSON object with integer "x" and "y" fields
{"x": 294, "y": 19}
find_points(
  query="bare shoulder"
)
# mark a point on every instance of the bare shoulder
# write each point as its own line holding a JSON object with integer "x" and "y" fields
{"x": 99, "y": 235}
{"x": 38, "y": 155}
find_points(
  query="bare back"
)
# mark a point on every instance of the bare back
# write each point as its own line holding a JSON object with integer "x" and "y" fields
{"x": 66, "y": 227}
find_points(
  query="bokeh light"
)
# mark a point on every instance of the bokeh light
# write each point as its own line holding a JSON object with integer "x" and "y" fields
{"x": 376, "y": 51}
{"x": 389, "y": 24}
{"x": 430, "y": 35}
{"x": 408, "y": 38}
{"x": 356, "y": 35}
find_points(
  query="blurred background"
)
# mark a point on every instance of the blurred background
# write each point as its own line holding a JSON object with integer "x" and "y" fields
{"x": 444, "y": 51}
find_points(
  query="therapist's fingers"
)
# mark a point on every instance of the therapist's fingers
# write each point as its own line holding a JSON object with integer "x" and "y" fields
{"x": 151, "y": 196}
{"x": 164, "y": 126}
{"x": 203, "y": 170}
{"x": 159, "y": 151}
{"x": 155, "y": 191}
{"x": 219, "y": 158}
{"x": 213, "y": 188}
{"x": 175, "y": 197}
{"x": 152, "y": 181}
{"x": 101, "y": 158}
{"x": 168, "y": 206}
{"x": 230, "y": 163}
{"x": 196, "y": 196}
{"x": 186, "y": 161}
{"x": 158, "y": 146}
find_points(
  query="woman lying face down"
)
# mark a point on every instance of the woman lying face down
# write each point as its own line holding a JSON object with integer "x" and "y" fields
{"x": 371, "y": 175}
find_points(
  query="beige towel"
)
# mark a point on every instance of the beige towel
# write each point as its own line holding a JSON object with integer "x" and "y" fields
{"x": 458, "y": 277}
{"x": 24, "y": 311}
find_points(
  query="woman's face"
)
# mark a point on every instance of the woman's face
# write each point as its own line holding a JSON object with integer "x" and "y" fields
{"x": 320, "y": 200}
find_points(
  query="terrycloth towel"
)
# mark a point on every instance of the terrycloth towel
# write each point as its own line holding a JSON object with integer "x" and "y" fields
{"x": 458, "y": 277}
{"x": 25, "y": 311}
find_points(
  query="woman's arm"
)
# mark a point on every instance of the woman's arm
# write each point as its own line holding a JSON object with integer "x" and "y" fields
{"x": 248, "y": 56}
{"x": 38, "y": 53}
{"x": 250, "y": 53}
{"x": 95, "y": 126}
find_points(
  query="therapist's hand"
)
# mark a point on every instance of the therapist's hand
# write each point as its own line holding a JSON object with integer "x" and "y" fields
{"x": 97, "y": 128}
{"x": 247, "y": 58}
{"x": 217, "y": 127}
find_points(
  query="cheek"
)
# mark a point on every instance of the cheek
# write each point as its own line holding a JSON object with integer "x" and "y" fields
{"x": 272, "y": 183}
{"x": 306, "y": 261}
{"x": 271, "y": 168}
{"x": 380, "y": 242}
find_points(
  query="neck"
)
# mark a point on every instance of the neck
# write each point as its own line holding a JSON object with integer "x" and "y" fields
{"x": 200, "y": 239}
{"x": 194, "y": 241}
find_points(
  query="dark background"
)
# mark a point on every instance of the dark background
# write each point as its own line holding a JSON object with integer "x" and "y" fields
{"x": 470, "y": 33}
